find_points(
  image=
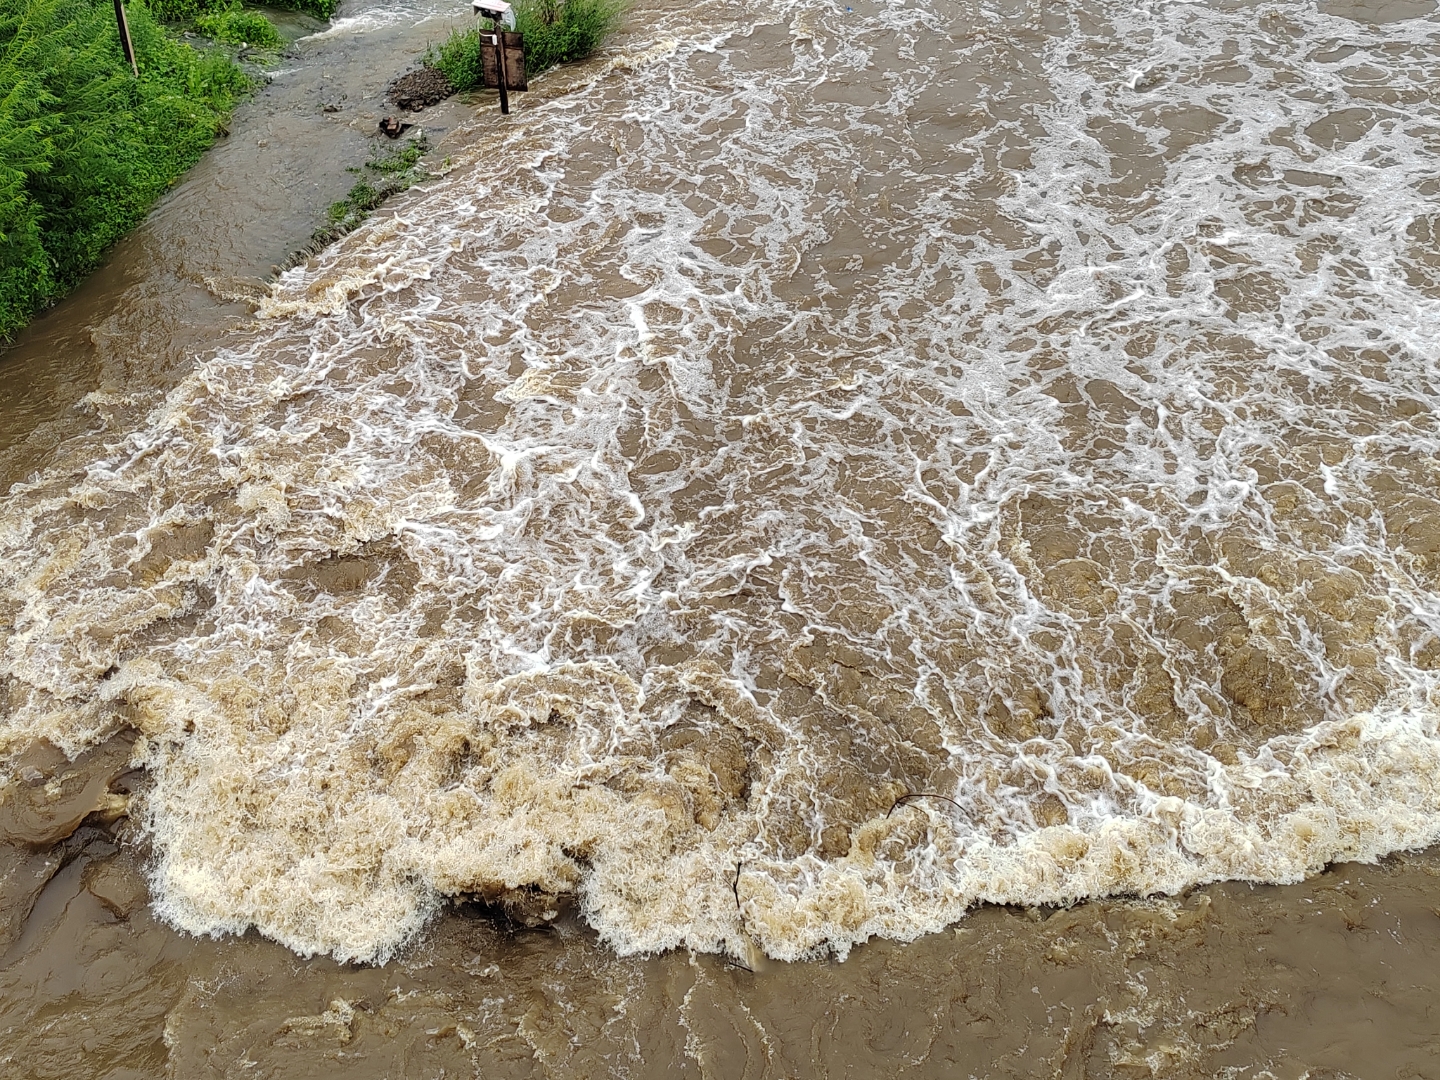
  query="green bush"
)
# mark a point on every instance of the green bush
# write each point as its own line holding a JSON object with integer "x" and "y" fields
{"x": 556, "y": 32}
{"x": 85, "y": 148}
{"x": 192, "y": 11}
{"x": 236, "y": 27}
{"x": 458, "y": 59}
{"x": 186, "y": 11}
{"x": 321, "y": 9}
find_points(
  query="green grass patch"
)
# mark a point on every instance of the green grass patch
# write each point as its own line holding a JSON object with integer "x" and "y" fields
{"x": 184, "y": 11}
{"x": 224, "y": 21}
{"x": 384, "y": 175}
{"x": 85, "y": 148}
{"x": 237, "y": 27}
{"x": 556, "y": 32}
{"x": 320, "y": 9}
{"x": 190, "y": 12}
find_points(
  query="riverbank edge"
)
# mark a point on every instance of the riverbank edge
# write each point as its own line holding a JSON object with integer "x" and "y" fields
{"x": 73, "y": 178}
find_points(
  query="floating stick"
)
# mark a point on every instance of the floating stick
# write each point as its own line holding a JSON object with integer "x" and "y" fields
{"x": 921, "y": 795}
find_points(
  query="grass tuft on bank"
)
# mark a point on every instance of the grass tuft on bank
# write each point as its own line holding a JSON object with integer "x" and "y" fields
{"x": 237, "y": 27}
{"x": 556, "y": 32}
{"x": 382, "y": 176}
{"x": 85, "y": 148}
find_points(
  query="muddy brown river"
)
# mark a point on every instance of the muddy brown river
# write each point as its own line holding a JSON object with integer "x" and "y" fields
{"x": 890, "y": 539}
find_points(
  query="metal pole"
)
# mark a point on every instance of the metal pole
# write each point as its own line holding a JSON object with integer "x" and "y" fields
{"x": 125, "y": 44}
{"x": 499, "y": 66}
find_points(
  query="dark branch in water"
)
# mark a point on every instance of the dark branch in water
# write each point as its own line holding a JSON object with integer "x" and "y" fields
{"x": 905, "y": 799}
{"x": 735, "y": 888}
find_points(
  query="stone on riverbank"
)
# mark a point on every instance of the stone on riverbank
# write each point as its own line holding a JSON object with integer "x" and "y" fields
{"x": 417, "y": 89}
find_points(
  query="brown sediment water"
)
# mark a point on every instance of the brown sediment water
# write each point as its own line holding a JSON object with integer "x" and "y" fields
{"x": 811, "y": 474}
{"x": 1335, "y": 977}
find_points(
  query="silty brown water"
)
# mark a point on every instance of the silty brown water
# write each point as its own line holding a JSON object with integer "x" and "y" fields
{"x": 1333, "y": 977}
{"x": 1027, "y": 408}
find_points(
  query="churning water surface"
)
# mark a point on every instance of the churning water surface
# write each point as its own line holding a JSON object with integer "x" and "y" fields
{"x": 806, "y": 473}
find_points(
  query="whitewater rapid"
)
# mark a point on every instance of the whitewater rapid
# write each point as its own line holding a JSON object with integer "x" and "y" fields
{"x": 1027, "y": 407}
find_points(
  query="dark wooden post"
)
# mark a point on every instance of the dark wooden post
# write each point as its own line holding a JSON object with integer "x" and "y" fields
{"x": 504, "y": 69}
{"x": 125, "y": 44}
{"x": 499, "y": 65}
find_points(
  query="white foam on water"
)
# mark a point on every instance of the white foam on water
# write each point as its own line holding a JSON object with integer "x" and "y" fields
{"x": 1028, "y": 411}
{"x": 405, "y": 13}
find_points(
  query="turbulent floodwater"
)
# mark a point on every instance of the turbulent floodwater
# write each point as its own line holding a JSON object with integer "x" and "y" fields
{"x": 1030, "y": 408}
